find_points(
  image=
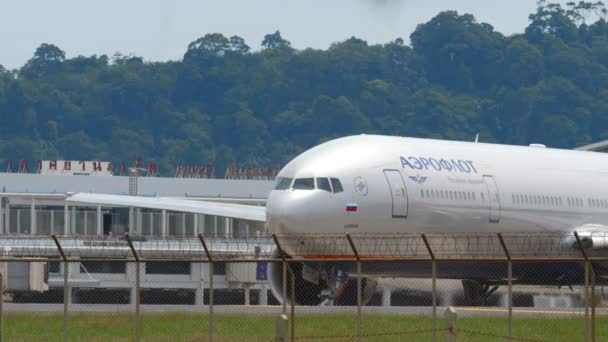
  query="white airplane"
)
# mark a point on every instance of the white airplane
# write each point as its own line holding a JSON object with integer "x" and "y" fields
{"x": 381, "y": 184}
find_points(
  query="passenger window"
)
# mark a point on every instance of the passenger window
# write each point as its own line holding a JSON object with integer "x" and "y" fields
{"x": 335, "y": 183}
{"x": 323, "y": 184}
{"x": 304, "y": 184}
{"x": 282, "y": 183}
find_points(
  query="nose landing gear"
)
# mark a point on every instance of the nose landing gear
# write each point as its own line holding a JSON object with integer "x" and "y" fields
{"x": 477, "y": 293}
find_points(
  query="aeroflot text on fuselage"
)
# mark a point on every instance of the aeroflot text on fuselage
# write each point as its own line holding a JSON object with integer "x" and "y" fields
{"x": 449, "y": 165}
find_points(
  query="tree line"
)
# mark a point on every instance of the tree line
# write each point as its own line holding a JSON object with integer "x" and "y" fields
{"x": 225, "y": 103}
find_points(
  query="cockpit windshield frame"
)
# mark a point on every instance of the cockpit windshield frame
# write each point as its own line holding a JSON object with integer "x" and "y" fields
{"x": 307, "y": 183}
{"x": 329, "y": 184}
{"x": 282, "y": 183}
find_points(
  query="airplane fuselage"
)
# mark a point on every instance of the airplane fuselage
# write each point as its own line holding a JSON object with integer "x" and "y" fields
{"x": 400, "y": 185}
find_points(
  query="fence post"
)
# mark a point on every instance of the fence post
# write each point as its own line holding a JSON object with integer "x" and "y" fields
{"x": 200, "y": 237}
{"x": 510, "y": 283}
{"x": 282, "y": 329}
{"x": 2, "y": 307}
{"x": 434, "y": 282}
{"x": 593, "y": 301}
{"x": 284, "y": 274}
{"x": 451, "y": 334}
{"x": 292, "y": 326}
{"x": 359, "y": 300}
{"x": 137, "y": 289}
{"x": 293, "y": 287}
{"x": 66, "y": 287}
{"x": 586, "y": 293}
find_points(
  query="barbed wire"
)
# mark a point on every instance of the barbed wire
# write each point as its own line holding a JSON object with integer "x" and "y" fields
{"x": 369, "y": 246}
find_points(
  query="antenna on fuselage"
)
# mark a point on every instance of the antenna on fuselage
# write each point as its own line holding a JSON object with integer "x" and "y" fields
{"x": 477, "y": 138}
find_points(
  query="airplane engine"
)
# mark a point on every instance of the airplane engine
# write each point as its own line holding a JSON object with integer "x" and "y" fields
{"x": 316, "y": 284}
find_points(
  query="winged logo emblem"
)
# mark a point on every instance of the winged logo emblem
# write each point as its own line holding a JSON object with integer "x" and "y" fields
{"x": 419, "y": 179}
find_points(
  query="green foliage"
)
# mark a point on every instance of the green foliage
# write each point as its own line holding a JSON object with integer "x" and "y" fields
{"x": 224, "y": 103}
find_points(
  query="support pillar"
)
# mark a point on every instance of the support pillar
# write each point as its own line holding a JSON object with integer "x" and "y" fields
{"x": 33, "y": 217}
{"x": 52, "y": 222}
{"x": 263, "y": 295}
{"x": 198, "y": 293}
{"x": 386, "y": 296}
{"x": 138, "y": 222}
{"x": 99, "y": 224}
{"x": 163, "y": 223}
{"x": 131, "y": 220}
{"x": 7, "y": 216}
{"x": 66, "y": 220}
{"x": 227, "y": 227}
{"x": 195, "y": 223}
{"x": 247, "y": 294}
{"x": 2, "y": 211}
{"x": 182, "y": 229}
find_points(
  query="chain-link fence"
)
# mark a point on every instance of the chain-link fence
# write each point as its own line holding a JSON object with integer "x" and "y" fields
{"x": 380, "y": 287}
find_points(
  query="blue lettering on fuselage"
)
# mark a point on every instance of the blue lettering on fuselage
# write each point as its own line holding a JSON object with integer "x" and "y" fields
{"x": 438, "y": 164}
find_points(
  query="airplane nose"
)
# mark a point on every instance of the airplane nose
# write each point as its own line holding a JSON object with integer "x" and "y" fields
{"x": 287, "y": 212}
{"x": 275, "y": 212}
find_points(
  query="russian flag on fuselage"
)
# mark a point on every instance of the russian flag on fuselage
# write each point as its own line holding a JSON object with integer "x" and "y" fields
{"x": 352, "y": 207}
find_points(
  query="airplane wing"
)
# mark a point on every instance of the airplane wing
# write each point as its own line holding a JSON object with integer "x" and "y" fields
{"x": 238, "y": 211}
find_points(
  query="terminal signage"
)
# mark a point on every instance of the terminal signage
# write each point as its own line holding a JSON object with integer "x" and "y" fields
{"x": 76, "y": 168}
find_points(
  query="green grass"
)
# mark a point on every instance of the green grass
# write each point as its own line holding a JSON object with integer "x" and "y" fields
{"x": 194, "y": 327}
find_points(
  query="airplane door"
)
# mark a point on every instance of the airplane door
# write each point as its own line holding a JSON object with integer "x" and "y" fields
{"x": 398, "y": 192}
{"x": 493, "y": 197}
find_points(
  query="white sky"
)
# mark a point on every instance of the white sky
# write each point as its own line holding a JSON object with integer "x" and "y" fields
{"x": 160, "y": 30}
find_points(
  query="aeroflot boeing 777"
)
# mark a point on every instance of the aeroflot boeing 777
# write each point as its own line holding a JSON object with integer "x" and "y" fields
{"x": 381, "y": 184}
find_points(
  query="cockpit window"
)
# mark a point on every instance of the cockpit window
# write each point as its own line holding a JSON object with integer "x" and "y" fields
{"x": 282, "y": 183}
{"x": 304, "y": 184}
{"x": 323, "y": 184}
{"x": 335, "y": 182}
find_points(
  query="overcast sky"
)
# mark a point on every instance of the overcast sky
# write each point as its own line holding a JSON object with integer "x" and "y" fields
{"x": 159, "y": 30}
